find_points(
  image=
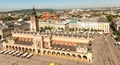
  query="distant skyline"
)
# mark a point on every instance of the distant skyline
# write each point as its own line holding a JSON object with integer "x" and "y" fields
{"x": 7, "y": 5}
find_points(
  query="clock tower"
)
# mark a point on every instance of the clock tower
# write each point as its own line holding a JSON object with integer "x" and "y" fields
{"x": 34, "y": 23}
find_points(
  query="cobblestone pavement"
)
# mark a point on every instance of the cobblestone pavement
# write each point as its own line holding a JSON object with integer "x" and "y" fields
{"x": 37, "y": 60}
{"x": 103, "y": 51}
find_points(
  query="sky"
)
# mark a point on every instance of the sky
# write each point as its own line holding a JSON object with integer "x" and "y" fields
{"x": 6, "y": 5}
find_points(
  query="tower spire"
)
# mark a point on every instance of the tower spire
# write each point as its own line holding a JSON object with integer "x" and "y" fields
{"x": 33, "y": 11}
{"x": 33, "y": 8}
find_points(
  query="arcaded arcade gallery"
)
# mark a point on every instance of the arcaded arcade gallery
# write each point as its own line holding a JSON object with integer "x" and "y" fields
{"x": 56, "y": 44}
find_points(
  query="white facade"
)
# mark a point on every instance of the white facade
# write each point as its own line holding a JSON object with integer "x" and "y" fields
{"x": 100, "y": 26}
{"x": 95, "y": 25}
{"x": 83, "y": 23}
{"x": 32, "y": 27}
{"x": 60, "y": 24}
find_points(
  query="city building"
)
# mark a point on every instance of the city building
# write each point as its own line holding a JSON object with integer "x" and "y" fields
{"x": 54, "y": 44}
{"x": 116, "y": 24}
{"x": 65, "y": 44}
{"x": 47, "y": 16}
{"x": 34, "y": 22}
{"x": 62, "y": 26}
{"x": 22, "y": 26}
{"x": 5, "y": 32}
{"x": 98, "y": 24}
{"x": 90, "y": 23}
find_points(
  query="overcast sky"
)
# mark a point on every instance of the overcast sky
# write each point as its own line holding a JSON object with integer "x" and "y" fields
{"x": 6, "y": 5}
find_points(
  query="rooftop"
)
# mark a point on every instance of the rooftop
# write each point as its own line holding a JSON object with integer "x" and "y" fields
{"x": 3, "y": 26}
{"x": 81, "y": 36}
{"x": 23, "y": 42}
{"x": 74, "y": 21}
{"x": 61, "y": 23}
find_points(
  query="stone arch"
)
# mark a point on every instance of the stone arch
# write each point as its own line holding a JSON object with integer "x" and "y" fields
{"x": 16, "y": 48}
{"x": 89, "y": 60}
{"x": 29, "y": 50}
{"x": 68, "y": 54}
{"x": 33, "y": 50}
{"x": 79, "y": 56}
{"x": 39, "y": 51}
{"x": 62, "y": 54}
{"x": 9, "y": 47}
{"x": 19, "y": 48}
{"x": 73, "y": 55}
{"x": 26, "y": 49}
{"x": 53, "y": 53}
{"x": 44, "y": 52}
{"x": 6, "y": 46}
{"x": 13, "y": 48}
{"x": 58, "y": 53}
{"x": 84, "y": 58}
{"x": 23, "y": 49}
{"x": 49, "y": 52}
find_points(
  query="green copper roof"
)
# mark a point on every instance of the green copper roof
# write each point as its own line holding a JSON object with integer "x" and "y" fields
{"x": 74, "y": 21}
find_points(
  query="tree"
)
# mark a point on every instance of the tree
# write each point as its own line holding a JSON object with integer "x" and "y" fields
{"x": 109, "y": 17}
{"x": 72, "y": 29}
{"x": 83, "y": 29}
{"x": 115, "y": 33}
{"x": 8, "y": 18}
{"x": 41, "y": 28}
{"x": 76, "y": 29}
{"x": 92, "y": 29}
{"x": 79, "y": 29}
{"x": 46, "y": 27}
{"x": 87, "y": 29}
{"x": 26, "y": 19}
{"x": 50, "y": 28}
{"x": 118, "y": 38}
{"x": 69, "y": 29}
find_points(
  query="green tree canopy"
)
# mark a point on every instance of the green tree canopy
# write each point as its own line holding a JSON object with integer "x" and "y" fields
{"x": 109, "y": 17}
{"x": 7, "y": 18}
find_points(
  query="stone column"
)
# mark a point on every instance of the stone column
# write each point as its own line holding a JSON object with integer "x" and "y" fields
{"x": 36, "y": 51}
{"x": 4, "y": 46}
{"x": 49, "y": 44}
{"x": 88, "y": 34}
{"x": 41, "y": 46}
{"x": 2, "y": 36}
{"x": 89, "y": 57}
{"x": 81, "y": 58}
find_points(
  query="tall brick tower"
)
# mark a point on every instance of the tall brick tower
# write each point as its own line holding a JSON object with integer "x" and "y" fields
{"x": 34, "y": 25}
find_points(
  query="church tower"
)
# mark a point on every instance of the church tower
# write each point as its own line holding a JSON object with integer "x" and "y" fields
{"x": 34, "y": 23}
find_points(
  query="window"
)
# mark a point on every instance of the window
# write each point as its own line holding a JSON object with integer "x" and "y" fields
{"x": 85, "y": 48}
